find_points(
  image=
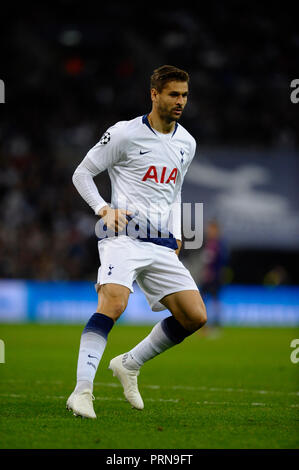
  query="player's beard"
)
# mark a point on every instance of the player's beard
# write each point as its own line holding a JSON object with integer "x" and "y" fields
{"x": 165, "y": 113}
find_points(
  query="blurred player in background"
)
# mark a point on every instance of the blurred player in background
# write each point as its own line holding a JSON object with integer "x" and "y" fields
{"x": 147, "y": 159}
{"x": 211, "y": 262}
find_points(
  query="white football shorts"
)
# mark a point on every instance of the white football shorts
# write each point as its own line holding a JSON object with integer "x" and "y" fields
{"x": 156, "y": 269}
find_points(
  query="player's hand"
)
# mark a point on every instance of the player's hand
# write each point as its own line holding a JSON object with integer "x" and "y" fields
{"x": 179, "y": 247}
{"x": 114, "y": 219}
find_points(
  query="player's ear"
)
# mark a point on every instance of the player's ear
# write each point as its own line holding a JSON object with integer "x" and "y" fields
{"x": 154, "y": 93}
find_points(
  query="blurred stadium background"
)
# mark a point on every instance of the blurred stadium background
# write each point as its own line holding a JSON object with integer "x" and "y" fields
{"x": 71, "y": 72}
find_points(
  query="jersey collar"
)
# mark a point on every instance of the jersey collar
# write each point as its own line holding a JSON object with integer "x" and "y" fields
{"x": 146, "y": 122}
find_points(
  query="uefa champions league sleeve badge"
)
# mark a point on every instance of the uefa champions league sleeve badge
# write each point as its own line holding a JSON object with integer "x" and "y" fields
{"x": 105, "y": 138}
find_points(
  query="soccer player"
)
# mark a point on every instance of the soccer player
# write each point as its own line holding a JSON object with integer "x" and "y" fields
{"x": 147, "y": 159}
{"x": 212, "y": 260}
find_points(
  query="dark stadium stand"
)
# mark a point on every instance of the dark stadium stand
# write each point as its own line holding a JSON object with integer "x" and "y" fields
{"x": 70, "y": 73}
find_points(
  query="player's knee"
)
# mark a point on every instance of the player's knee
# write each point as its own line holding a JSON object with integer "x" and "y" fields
{"x": 202, "y": 317}
{"x": 119, "y": 307}
{"x": 117, "y": 313}
{"x": 113, "y": 309}
{"x": 116, "y": 307}
{"x": 112, "y": 301}
{"x": 196, "y": 319}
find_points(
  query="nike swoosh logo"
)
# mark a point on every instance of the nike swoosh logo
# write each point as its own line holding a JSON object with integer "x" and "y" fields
{"x": 142, "y": 153}
{"x": 92, "y": 356}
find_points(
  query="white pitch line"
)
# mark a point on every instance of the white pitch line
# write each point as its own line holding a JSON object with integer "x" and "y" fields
{"x": 173, "y": 387}
{"x": 154, "y": 400}
{"x": 229, "y": 403}
{"x": 202, "y": 389}
{"x": 12, "y": 395}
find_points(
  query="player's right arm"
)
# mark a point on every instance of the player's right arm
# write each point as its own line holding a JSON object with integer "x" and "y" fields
{"x": 107, "y": 152}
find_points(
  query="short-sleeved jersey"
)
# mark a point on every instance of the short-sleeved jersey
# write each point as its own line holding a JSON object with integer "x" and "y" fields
{"x": 146, "y": 168}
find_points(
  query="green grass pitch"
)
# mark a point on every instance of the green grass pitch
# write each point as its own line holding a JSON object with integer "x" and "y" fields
{"x": 237, "y": 391}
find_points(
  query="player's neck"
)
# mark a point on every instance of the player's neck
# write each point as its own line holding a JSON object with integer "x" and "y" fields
{"x": 159, "y": 124}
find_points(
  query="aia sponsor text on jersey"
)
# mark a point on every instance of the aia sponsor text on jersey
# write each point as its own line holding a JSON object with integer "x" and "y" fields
{"x": 152, "y": 174}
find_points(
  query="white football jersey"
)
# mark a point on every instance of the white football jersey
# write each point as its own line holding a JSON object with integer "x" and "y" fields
{"x": 146, "y": 169}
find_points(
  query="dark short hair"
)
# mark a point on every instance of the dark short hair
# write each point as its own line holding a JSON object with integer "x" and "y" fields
{"x": 167, "y": 73}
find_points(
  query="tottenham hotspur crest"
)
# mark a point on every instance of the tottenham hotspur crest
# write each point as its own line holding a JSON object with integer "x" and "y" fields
{"x": 105, "y": 138}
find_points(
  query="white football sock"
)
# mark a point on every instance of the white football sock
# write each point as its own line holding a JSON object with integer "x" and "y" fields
{"x": 92, "y": 346}
{"x": 155, "y": 343}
